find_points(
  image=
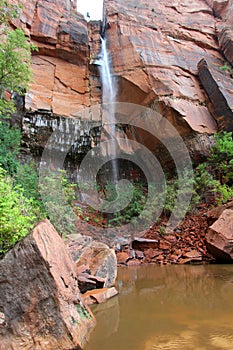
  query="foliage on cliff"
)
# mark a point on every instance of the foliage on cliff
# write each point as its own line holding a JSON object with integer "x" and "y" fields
{"x": 19, "y": 205}
{"x": 15, "y": 54}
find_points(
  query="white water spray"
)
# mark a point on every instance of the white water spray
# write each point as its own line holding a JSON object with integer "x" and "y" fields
{"x": 109, "y": 92}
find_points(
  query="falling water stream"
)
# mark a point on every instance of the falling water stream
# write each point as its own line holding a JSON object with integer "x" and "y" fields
{"x": 109, "y": 92}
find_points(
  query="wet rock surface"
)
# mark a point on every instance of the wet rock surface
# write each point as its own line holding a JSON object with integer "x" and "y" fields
{"x": 40, "y": 302}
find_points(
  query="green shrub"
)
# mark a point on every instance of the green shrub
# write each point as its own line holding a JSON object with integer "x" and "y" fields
{"x": 215, "y": 176}
{"x": 204, "y": 182}
{"x": 221, "y": 158}
{"x": 131, "y": 207}
{"x": 10, "y": 145}
{"x": 227, "y": 68}
{"x": 57, "y": 195}
{"x": 17, "y": 213}
{"x": 27, "y": 177}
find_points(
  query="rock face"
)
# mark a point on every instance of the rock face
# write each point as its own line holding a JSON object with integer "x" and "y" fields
{"x": 98, "y": 258}
{"x": 223, "y": 10}
{"x": 218, "y": 85}
{"x": 167, "y": 56}
{"x": 62, "y": 79}
{"x": 39, "y": 295}
{"x": 160, "y": 45}
{"x": 220, "y": 237}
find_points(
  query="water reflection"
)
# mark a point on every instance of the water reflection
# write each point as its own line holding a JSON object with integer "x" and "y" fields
{"x": 170, "y": 307}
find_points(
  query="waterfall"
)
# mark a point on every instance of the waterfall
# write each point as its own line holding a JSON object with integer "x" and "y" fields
{"x": 109, "y": 92}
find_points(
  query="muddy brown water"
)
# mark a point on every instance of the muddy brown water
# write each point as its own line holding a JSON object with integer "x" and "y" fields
{"x": 167, "y": 308}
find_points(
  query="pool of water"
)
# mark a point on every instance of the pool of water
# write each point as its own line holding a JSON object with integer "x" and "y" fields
{"x": 167, "y": 308}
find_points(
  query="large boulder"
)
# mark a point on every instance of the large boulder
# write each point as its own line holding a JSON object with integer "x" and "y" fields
{"x": 98, "y": 258}
{"x": 219, "y": 238}
{"x": 213, "y": 214}
{"x": 40, "y": 302}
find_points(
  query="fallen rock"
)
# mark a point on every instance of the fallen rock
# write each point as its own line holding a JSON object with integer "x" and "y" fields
{"x": 184, "y": 261}
{"x": 99, "y": 295}
{"x": 152, "y": 253}
{"x": 213, "y": 214}
{"x": 139, "y": 254}
{"x": 122, "y": 258}
{"x": 193, "y": 255}
{"x": 40, "y": 302}
{"x": 164, "y": 245}
{"x": 77, "y": 244}
{"x": 140, "y": 243}
{"x": 97, "y": 256}
{"x": 88, "y": 282}
{"x": 134, "y": 262}
{"x": 85, "y": 283}
{"x": 120, "y": 243}
{"x": 82, "y": 269}
{"x": 219, "y": 238}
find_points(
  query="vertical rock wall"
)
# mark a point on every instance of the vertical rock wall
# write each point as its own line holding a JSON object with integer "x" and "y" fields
{"x": 156, "y": 47}
{"x": 168, "y": 56}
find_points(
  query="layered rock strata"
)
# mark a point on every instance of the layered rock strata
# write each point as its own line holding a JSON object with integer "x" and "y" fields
{"x": 157, "y": 49}
{"x": 62, "y": 81}
{"x": 161, "y": 45}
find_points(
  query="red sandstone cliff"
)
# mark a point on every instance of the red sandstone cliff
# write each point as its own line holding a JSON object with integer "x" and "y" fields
{"x": 166, "y": 54}
{"x": 62, "y": 82}
{"x": 156, "y": 47}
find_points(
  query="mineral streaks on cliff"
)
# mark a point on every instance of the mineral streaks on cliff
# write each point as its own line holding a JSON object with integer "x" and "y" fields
{"x": 62, "y": 81}
{"x": 155, "y": 47}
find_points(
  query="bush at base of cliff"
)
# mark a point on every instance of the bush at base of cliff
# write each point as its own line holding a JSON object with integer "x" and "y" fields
{"x": 221, "y": 158}
{"x": 215, "y": 176}
{"x": 57, "y": 195}
{"x": 10, "y": 145}
{"x": 206, "y": 185}
{"x": 17, "y": 213}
